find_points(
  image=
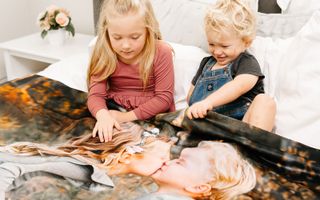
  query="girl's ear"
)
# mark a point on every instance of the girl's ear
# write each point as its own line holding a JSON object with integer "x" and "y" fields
{"x": 199, "y": 189}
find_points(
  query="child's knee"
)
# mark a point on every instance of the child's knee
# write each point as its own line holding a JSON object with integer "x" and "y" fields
{"x": 266, "y": 101}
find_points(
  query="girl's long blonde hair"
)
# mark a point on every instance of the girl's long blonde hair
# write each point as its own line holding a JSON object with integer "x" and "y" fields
{"x": 90, "y": 150}
{"x": 104, "y": 59}
{"x": 235, "y": 14}
{"x": 99, "y": 154}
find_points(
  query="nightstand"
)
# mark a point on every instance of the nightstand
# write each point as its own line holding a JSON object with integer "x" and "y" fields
{"x": 31, "y": 54}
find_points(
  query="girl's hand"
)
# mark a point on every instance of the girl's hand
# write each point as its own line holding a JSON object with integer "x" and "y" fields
{"x": 104, "y": 125}
{"x": 199, "y": 109}
{"x": 123, "y": 116}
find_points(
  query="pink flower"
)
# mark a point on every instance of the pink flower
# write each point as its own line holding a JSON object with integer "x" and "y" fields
{"x": 44, "y": 25}
{"x": 54, "y": 18}
{"x": 62, "y": 19}
{"x": 51, "y": 9}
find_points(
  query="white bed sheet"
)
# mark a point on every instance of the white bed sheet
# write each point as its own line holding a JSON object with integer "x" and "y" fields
{"x": 71, "y": 71}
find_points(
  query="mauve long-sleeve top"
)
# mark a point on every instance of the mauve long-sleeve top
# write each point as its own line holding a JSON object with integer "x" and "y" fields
{"x": 126, "y": 87}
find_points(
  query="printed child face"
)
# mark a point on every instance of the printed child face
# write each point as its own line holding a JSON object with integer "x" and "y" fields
{"x": 190, "y": 169}
{"x": 127, "y": 36}
{"x": 225, "y": 46}
{"x": 151, "y": 159}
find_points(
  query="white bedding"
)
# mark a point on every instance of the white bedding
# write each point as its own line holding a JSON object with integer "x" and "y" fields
{"x": 288, "y": 58}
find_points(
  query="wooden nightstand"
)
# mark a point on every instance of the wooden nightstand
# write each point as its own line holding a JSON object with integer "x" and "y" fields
{"x": 31, "y": 54}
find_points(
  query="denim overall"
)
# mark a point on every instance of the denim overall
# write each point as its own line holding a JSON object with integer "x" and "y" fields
{"x": 210, "y": 81}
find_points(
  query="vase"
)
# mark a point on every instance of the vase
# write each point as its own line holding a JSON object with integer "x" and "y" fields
{"x": 57, "y": 37}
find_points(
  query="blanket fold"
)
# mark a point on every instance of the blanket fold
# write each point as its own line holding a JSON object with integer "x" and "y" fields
{"x": 12, "y": 167}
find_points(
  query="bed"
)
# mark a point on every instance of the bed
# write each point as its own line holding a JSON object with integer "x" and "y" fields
{"x": 49, "y": 107}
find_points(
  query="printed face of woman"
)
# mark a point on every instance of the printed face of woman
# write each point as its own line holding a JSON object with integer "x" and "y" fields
{"x": 127, "y": 36}
{"x": 190, "y": 169}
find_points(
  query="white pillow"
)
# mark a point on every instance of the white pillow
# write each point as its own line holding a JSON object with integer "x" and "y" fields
{"x": 269, "y": 52}
{"x": 182, "y": 21}
{"x": 298, "y": 6}
{"x": 292, "y": 74}
{"x": 186, "y": 62}
{"x": 281, "y": 25}
{"x": 297, "y": 92}
{"x": 71, "y": 71}
{"x": 91, "y": 45}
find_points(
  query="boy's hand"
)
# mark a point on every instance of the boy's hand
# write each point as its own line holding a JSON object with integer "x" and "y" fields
{"x": 199, "y": 109}
{"x": 104, "y": 125}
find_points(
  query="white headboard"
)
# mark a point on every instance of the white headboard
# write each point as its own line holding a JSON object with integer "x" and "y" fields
{"x": 181, "y": 21}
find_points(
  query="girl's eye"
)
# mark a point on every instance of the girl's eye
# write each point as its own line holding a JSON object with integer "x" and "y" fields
{"x": 116, "y": 38}
{"x": 135, "y": 37}
{"x": 225, "y": 46}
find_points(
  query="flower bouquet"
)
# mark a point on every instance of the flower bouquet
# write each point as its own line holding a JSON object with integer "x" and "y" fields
{"x": 55, "y": 18}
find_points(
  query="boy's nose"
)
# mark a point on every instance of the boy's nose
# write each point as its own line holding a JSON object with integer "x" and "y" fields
{"x": 217, "y": 52}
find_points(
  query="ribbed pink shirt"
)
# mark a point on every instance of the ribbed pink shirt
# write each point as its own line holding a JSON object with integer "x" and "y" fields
{"x": 126, "y": 87}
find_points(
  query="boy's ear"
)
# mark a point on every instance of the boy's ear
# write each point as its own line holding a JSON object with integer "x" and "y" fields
{"x": 199, "y": 189}
{"x": 248, "y": 43}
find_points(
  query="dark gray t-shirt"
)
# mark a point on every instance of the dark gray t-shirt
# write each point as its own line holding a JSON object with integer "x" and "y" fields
{"x": 244, "y": 64}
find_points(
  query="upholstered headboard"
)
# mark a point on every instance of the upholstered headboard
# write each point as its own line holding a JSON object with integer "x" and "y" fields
{"x": 185, "y": 26}
{"x": 96, "y": 11}
{"x": 265, "y": 6}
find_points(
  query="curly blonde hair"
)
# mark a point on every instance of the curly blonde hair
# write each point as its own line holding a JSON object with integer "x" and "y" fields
{"x": 104, "y": 59}
{"x": 231, "y": 174}
{"x": 234, "y": 14}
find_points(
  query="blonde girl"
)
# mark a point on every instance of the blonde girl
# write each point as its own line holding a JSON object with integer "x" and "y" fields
{"x": 130, "y": 65}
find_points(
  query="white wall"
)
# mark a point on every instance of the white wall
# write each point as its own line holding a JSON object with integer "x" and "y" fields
{"x": 18, "y": 18}
{"x": 13, "y": 24}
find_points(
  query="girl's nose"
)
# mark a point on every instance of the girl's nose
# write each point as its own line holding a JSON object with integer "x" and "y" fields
{"x": 125, "y": 44}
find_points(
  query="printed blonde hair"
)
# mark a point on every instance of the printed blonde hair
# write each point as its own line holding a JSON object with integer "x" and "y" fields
{"x": 90, "y": 150}
{"x": 104, "y": 59}
{"x": 85, "y": 145}
{"x": 231, "y": 174}
{"x": 235, "y": 14}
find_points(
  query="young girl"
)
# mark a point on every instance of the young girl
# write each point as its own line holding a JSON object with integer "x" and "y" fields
{"x": 230, "y": 80}
{"x": 130, "y": 66}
